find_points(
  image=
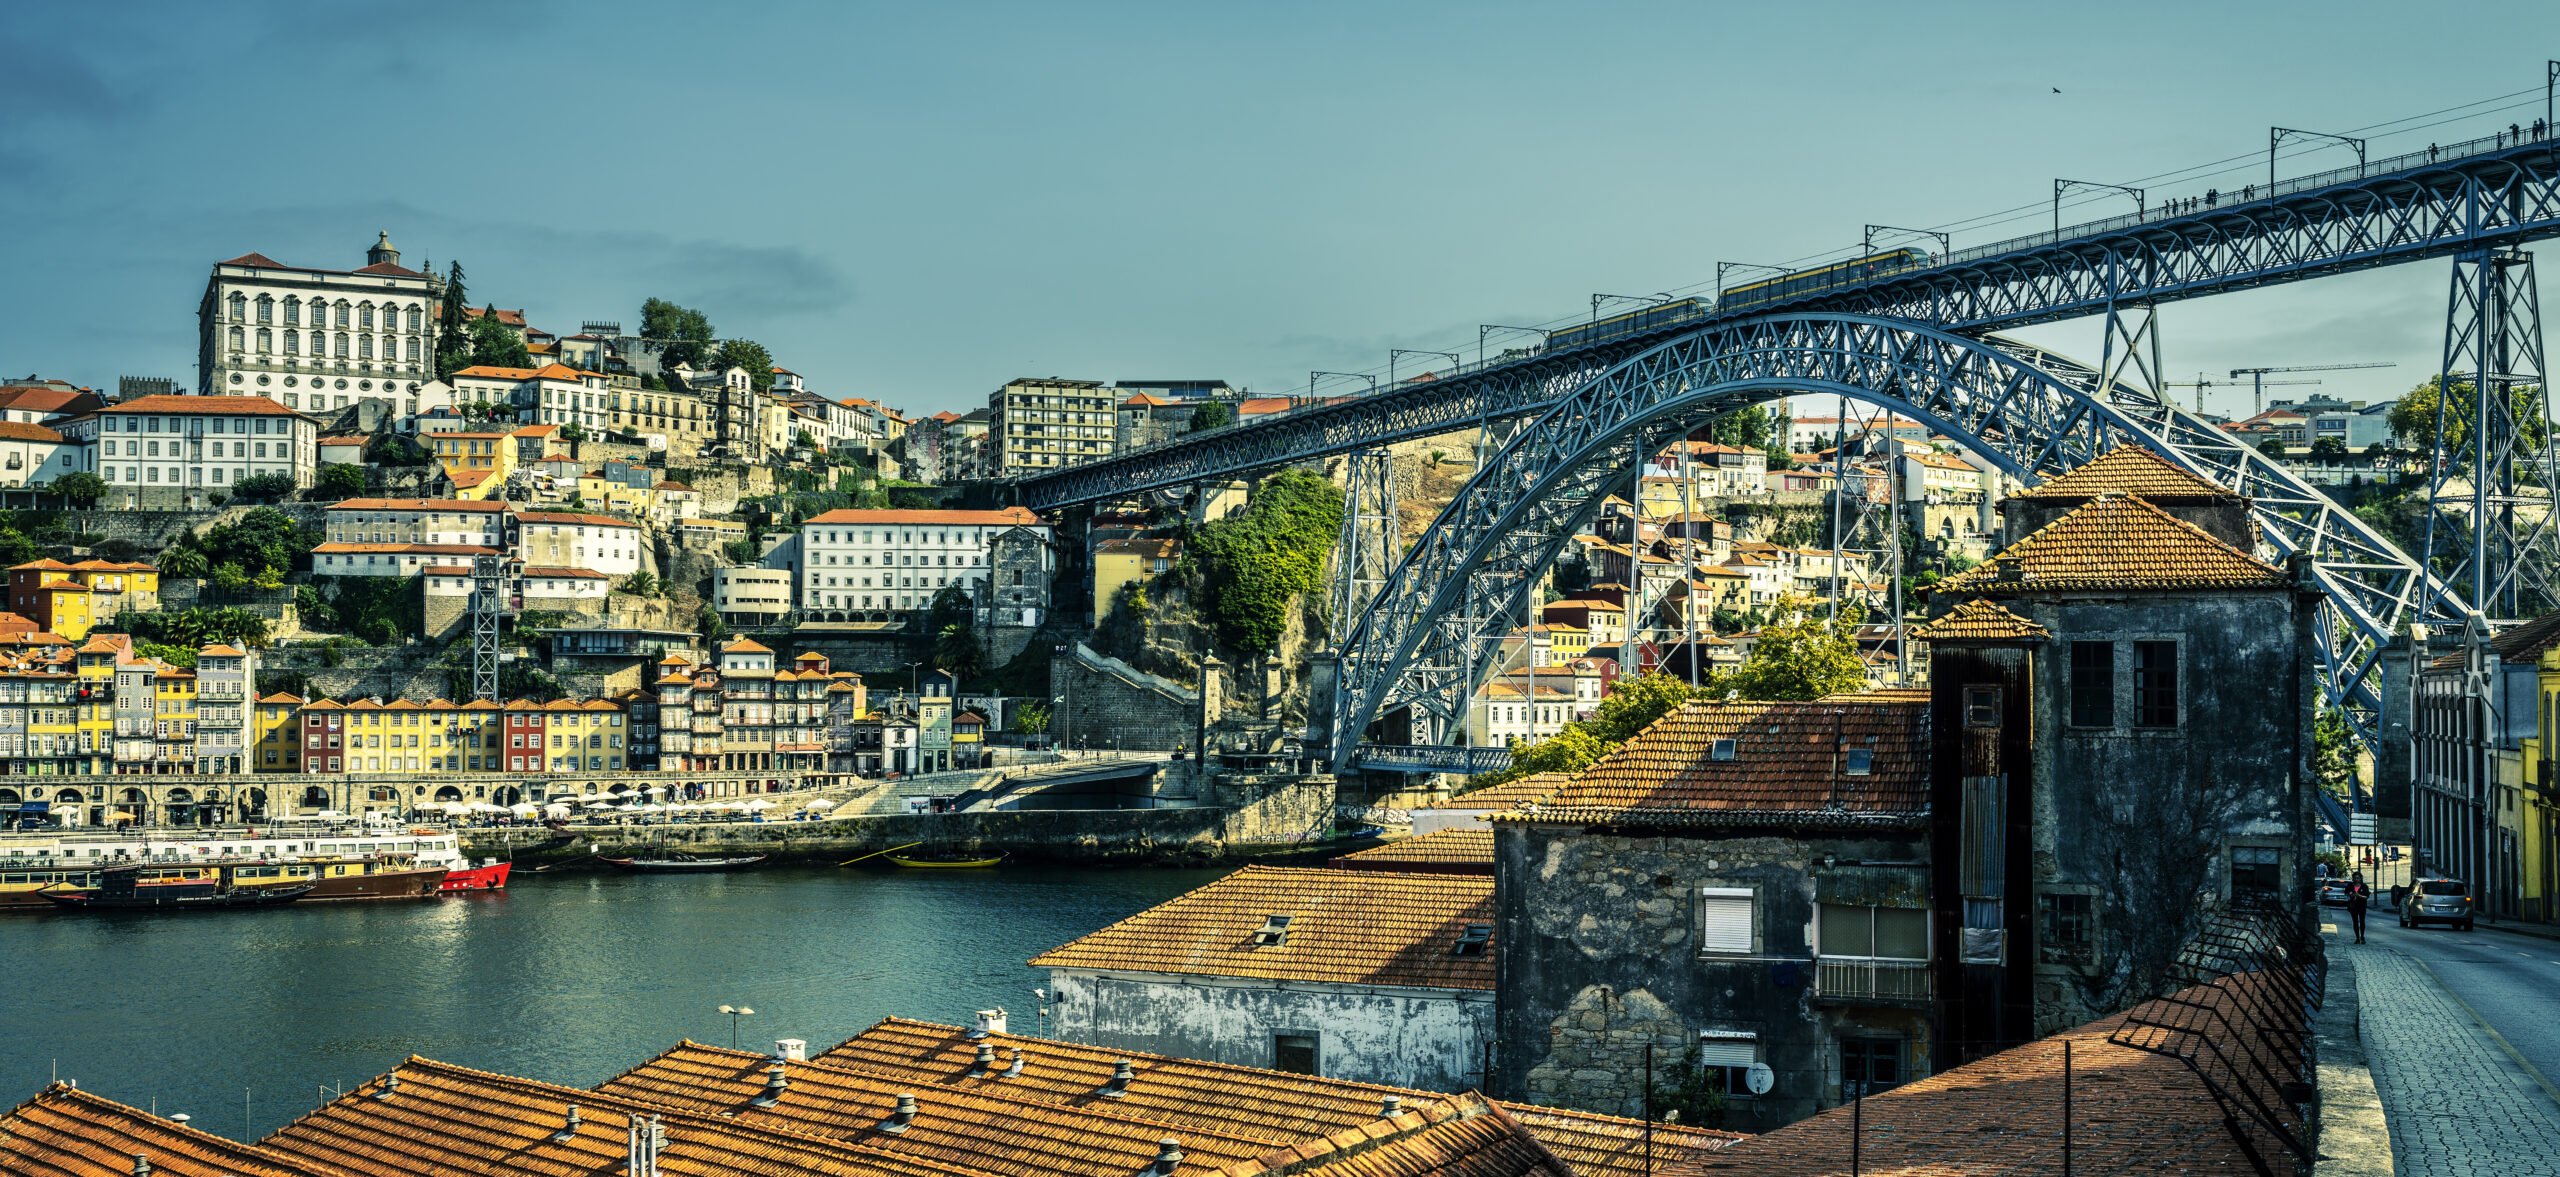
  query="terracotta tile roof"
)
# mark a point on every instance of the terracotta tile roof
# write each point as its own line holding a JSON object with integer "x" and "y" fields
{"x": 466, "y": 479}
{"x": 208, "y": 406}
{"x": 574, "y": 573}
{"x": 67, "y": 1132}
{"x": 259, "y": 260}
{"x": 1481, "y": 1140}
{"x": 2116, "y": 543}
{"x": 1452, "y": 851}
{"x": 22, "y": 431}
{"x": 408, "y": 549}
{"x": 358, "y": 439}
{"x": 2127, "y": 469}
{"x": 1612, "y": 1146}
{"x": 449, "y": 1121}
{"x": 745, "y": 646}
{"x": 219, "y": 652}
{"x": 1789, "y": 766}
{"x": 1164, "y": 549}
{"x": 1350, "y": 927}
{"x": 986, "y": 1128}
{"x": 1979, "y": 620}
{"x": 2002, "y": 1114}
{"x": 464, "y": 505}
{"x": 1009, "y": 516}
{"x": 282, "y": 697}
{"x": 1526, "y": 790}
{"x": 571, "y": 517}
{"x": 449, "y": 570}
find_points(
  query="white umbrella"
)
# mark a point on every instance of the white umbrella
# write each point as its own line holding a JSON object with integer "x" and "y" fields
{"x": 820, "y": 803}
{"x": 757, "y": 804}
{"x": 599, "y": 805}
{"x": 617, "y": 790}
{"x": 522, "y": 810}
{"x": 649, "y": 809}
{"x": 328, "y": 815}
{"x": 555, "y": 811}
{"x": 485, "y": 807}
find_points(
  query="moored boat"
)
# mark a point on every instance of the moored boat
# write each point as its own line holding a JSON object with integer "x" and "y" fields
{"x": 944, "y": 861}
{"x": 492, "y": 877}
{"x": 680, "y": 863}
{"x": 22, "y": 887}
{"x": 178, "y": 887}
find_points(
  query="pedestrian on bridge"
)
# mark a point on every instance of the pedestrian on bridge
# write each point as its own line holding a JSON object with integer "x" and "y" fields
{"x": 2359, "y": 898}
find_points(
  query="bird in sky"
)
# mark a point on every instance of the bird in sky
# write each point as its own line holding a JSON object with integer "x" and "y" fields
{"x": 2057, "y": 89}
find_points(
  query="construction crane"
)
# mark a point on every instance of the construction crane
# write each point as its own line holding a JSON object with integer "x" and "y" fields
{"x": 2257, "y": 376}
{"x": 2203, "y": 382}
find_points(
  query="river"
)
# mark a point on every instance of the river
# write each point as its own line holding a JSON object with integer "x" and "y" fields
{"x": 569, "y": 978}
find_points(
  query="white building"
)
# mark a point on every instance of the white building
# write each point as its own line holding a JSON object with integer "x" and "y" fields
{"x": 194, "y": 444}
{"x": 418, "y": 521}
{"x": 32, "y": 455}
{"x": 391, "y": 559}
{"x": 751, "y": 596}
{"x": 554, "y": 394}
{"x": 1369, "y": 976}
{"x": 316, "y": 338}
{"x": 557, "y": 539}
{"x": 896, "y": 560}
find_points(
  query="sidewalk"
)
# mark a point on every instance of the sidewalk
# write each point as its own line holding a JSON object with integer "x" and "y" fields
{"x": 2456, "y": 1103}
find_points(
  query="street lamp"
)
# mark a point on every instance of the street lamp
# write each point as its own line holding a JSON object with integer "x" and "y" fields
{"x": 2062, "y": 186}
{"x": 2277, "y": 135}
{"x": 1657, "y": 298}
{"x": 1484, "y": 329}
{"x": 1311, "y": 381}
{"x": 735, "y": 1012}
{"x": 1393, "y": 352}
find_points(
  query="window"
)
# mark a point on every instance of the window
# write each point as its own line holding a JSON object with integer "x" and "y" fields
{"x": 1874, "y": 933}
{"x": 2255, "y": 872}
{"x": 2155, "y": 684}
{"x": 1294, "y": 1053}
{"x": 2093, "y": 684}
{"x": 1982, "y": 705}
{"x": 1869, "y": 1066}
{"x": 1725, "y": 919}
{"x": 2067, "y": 920}
{"x": 1858, "y": 762}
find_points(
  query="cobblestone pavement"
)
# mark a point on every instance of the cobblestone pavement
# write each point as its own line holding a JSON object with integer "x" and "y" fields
{"x": 2458, "y": 1103}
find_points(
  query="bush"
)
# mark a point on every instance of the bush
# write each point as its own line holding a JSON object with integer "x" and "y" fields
{"x": 339, "y": 480}
{"x": 1255, "y": 565}
{"x": 265, "y": 487}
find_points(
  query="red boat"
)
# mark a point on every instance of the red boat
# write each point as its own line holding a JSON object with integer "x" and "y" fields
{"x": 492, "y": 877}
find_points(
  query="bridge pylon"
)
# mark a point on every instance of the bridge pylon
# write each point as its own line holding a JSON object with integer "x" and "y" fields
{"x": 2490, "y": 526}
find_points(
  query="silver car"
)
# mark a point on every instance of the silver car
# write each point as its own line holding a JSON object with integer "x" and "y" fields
{"x": 2437, "y": 901}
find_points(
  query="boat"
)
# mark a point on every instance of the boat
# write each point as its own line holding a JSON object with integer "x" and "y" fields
{"x": 23, "y": 884}
{"x": 681, "y": 863}
{"x": 177, "y": 887}
{"x": 492, "y": 877}
{"x": 944, "y": 861}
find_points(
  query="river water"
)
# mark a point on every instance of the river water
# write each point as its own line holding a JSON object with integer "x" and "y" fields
{"x": 569, "y": 978}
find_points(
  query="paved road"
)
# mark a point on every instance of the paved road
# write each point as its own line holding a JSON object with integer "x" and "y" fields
{"x": 2446, "y": 1016}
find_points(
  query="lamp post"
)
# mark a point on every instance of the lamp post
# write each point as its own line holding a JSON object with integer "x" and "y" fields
{"x": 1393, "y": 352}
{"x": 1657, "y": 298}
{"x": 2277, "y": 135}
{"x": 735, "y": 1012}
{"x": 1721, "y": 267}
{"x": 1484, "y": 329}
{"x": 1311, "y": 381}
{"x": 2062, "y": 186}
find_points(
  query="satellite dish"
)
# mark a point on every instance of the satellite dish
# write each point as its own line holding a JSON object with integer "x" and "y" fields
{"x": 1759, "y": 1078}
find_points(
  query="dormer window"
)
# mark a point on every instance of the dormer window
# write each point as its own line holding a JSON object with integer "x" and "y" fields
{"x": 1857, "y": 762}
{"x": 1472, "y": 941}
{"x": 1723, "y": 750}
{"x": 1274, "y": 931}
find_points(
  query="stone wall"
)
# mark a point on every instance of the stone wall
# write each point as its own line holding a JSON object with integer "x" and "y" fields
{"x": 1110, "y": 704}
{"x": 1431, "y": 1039}
{"x": 414, "y": 672}
{"x": 722, "y": 486}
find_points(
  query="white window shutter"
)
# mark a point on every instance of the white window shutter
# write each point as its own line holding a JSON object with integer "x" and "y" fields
{"x": 1724, "y": 919}
{"x": 1727, "y": 1050}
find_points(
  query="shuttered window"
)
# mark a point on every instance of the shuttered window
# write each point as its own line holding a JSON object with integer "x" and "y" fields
{"x": 1724, "y": 919}
{"x": 1720, "y": 1049}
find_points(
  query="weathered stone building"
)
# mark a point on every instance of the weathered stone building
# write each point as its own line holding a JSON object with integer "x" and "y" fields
{"x": 1370, "y": 976}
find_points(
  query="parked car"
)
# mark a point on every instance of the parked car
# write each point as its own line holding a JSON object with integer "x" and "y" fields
{"x": 2442, "y": 901}
{"x": 2333, "y": 893}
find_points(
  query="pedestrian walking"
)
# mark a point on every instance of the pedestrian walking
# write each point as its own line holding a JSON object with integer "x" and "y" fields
{"x": 2357, "y": 902}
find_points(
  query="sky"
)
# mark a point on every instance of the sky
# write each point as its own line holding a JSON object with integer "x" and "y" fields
{"x": 915, "y": 203}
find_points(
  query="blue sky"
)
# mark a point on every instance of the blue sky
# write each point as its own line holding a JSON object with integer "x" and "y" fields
{"x": 916, "y": 202}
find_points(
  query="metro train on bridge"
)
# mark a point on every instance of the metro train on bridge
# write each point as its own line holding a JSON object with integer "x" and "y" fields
{"x": 1780, "y": 288}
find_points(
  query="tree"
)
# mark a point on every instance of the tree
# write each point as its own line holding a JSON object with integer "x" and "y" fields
{"x": 494, "y": 346}
{"x": 955, "y": 649}
{"x": 1799, "y": 656}
{"x": 804, "y": 440}
{"x": 1030, "y": 719}
{"x": 2413, "y": 417}
{"x": 711, "y": 625}
{"x": 2273, "y": 447}
{"x": 231, "y": 578}
{"x": 268, "y": 487}
{"x": 182, "y": 563}
{"x": 1634, "y": 703}
{"x": 1253, "y": 566}
{"x": 573, "y": 432}
{"x": 642, "y": 584}
{"x": 1213, "y": 415}
{"x": 453, "y": 346}
{"x": 81, "y": 487}
{"x": 747, "y": 354}
{"x": 2333, "y": 752}
{"x": 341, "y": 480}
{"x": 2329, "y": 447}
{"x": 1747, "y": 428}
{"x": 678, "y": 335}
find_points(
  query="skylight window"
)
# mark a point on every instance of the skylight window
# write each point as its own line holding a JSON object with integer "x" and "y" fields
{"x": 1723, "y": 750}
{"x": 1274, "y": 931}
{"x": 1858, "y": 762}
{"x": 1472, "y": 941}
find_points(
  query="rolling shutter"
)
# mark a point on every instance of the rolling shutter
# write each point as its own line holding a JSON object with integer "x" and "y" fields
{"x": 1719, "y": 1048}
{"x": 1724, "y": 919}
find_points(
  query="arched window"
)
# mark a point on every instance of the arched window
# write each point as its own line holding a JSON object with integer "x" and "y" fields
{"x": 343, "y": 311}
{"x": 235, "y": 339}
{"x": 266, "y": 338}
{"x": 292, "y": 311}
{"x": 364, "y": 315}
{"x": 239, "y": 307}
{"x": 342, "y": 336}
{"x": 266, "y": 308}
{"x": 364, "y": 343}
{"x": 292, "y": 341}
{"x": 413, "y": 347}
{"x": 417, "y": 318}
{"x": 315, "y": 796}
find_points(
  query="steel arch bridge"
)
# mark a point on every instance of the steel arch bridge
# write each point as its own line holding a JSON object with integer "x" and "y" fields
{"x": 1422, "y": 641}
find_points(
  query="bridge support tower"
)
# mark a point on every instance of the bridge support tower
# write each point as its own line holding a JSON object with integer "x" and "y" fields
{"x": 2490, "y": 529}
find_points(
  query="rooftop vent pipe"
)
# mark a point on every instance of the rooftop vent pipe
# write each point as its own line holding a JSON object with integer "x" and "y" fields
{"x": 1168, "y": 1156}
{"x": 905, "y": 1115}
{"x": 569, "y": 1125}
{"x": 1016, "y": 1072}
{"x": 986, "y": 1061}
{"x": 1118, "y": 1085}
{"x": 1391, "y": 1107}
{"x": 775, "y": 1083}
{"x": 390, "y": 1087}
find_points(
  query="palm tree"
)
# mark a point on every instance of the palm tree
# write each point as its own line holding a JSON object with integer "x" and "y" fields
{"x": 182, "y": 562}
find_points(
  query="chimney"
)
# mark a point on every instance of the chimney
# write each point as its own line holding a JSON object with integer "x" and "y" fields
{"x": 1168, "y": 1156}
{"x": 390, "y": 1087}
{"x": 986, "y": 1061}
{"x": 569, "y": 1125}
{"x": 141, "y": 1165}
{"x": 905, "y": 1115}
{"x": 1016, "y": 1072}
{"x": 791, "y": 1050}
{"x": 775, "y": 1083}
{"x": 990, "y": 1021}
{"x": 1391, "y": 1107}
{"x": 1118, "y": 1084}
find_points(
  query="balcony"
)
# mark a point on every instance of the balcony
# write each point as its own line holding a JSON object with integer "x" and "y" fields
{"x": 1842, "y": 979}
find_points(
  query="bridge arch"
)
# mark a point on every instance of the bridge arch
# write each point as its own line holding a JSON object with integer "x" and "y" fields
{"x": 1421, "y": 640}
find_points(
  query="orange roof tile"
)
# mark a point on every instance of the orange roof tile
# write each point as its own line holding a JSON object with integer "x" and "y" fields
{"x": 1979, "y": 620}
{"x": 745, "y": 646}
{"x": 2127, "y": 469}
{"x": 1788, "y": 766}
{"x": 1481, "y": 1141}
{"x": 1436, "y": 852}
{"x": 572, "y": 517}
{"x": 1345, "y": 926}
{"x": 66, "y": 1132}
{"x": 2120, "y": 543}
{"x": 219, "y": 652}
{"x": 473, "y": 505}
{"x": 1511, "y": 794}
{"x": 225, "y": 406}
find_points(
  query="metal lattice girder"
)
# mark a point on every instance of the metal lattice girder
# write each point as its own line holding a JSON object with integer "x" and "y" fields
{"x": 2489, "y": 523}
{"x": 2033, "y": 414}
{"x": 2467, "y": 198}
